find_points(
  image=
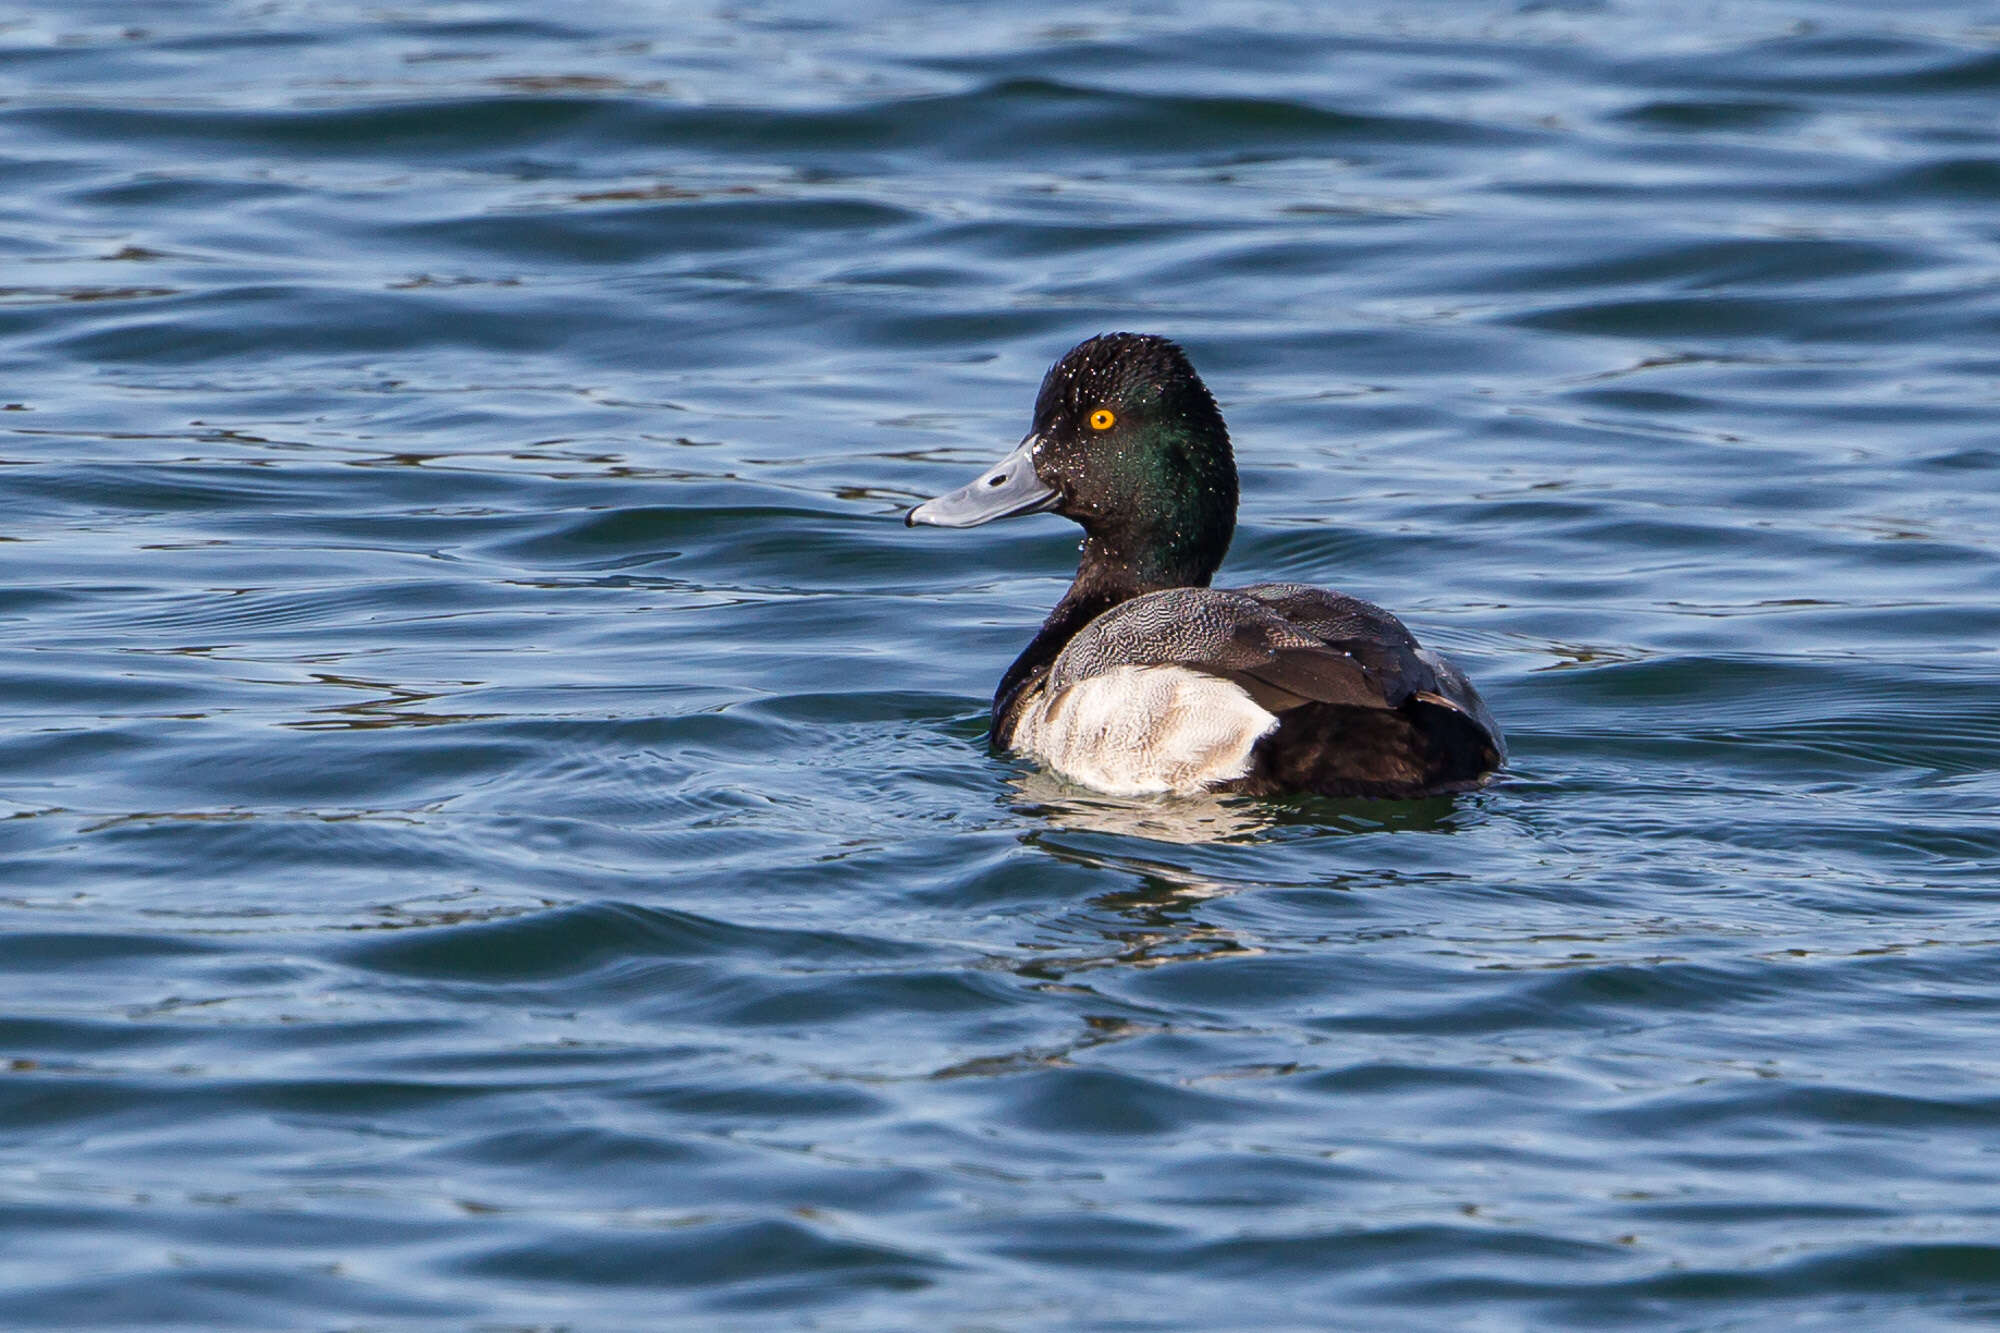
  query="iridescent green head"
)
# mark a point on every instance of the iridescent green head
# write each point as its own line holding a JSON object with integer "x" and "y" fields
{"x": 1126, "y": 441}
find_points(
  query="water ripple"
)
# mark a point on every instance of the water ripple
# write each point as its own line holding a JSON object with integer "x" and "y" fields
{"x": 499, "y": 823}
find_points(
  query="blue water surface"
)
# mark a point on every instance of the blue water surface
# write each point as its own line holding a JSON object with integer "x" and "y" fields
{"x": 496, "y": 822}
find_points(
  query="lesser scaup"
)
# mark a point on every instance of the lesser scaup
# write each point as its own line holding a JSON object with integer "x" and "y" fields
{"x": 1144, "y": 679}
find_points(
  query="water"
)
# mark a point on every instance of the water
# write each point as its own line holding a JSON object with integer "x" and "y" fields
{"x": 497, "y": 825}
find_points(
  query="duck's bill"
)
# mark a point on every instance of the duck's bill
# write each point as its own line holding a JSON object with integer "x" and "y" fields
{"x": 1007, "y": 488}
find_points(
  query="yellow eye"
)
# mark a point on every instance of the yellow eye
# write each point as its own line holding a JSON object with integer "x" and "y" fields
{"x": 1103, "y": 419}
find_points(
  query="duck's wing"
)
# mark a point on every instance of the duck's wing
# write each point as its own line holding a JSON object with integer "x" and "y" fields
{"x": 1384, "y": 647}
{"x": 1364, "y": 711}
{"x": 1228, "y": 634}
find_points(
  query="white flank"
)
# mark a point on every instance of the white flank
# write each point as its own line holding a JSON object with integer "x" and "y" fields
{"x": 1138, "y": 731}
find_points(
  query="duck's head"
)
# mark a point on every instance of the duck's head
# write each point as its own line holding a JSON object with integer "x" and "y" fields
{"x": 1127, "y": 442}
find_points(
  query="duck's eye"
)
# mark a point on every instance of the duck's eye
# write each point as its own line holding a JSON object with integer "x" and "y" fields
{"x": 1103, "y": 419}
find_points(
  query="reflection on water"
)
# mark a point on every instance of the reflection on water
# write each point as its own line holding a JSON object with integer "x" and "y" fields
{"x": 1094, "y": 1030}
{"x": 1194, "y": 820}
{"x": 1180, "y": 819}
{"x": 1154, "y": 920}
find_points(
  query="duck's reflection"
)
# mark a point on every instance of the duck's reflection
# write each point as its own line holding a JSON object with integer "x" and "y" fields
{"x": 1156, "y": 915}
{"x": 1170, "y": 863}
{"x": 1202, "y": 820}
{"x": 1158, "y": 874}
{"x": 1177, "y": 819}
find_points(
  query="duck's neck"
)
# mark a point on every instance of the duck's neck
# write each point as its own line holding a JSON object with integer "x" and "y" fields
{"x": 1105, "y": 577}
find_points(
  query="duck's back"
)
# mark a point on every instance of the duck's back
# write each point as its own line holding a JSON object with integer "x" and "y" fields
{"x": 1272, "y": 688}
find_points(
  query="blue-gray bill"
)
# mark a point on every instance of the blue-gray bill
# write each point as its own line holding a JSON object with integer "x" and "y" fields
{"x": 1011, "y": 486}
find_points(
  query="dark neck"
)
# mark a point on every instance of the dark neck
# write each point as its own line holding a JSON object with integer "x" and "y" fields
{"x": 1104, "y": 578}
{"x": 1155, "y": 517}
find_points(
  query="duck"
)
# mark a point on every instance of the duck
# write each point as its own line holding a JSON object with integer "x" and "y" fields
{"x": 1145, "y": 680}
